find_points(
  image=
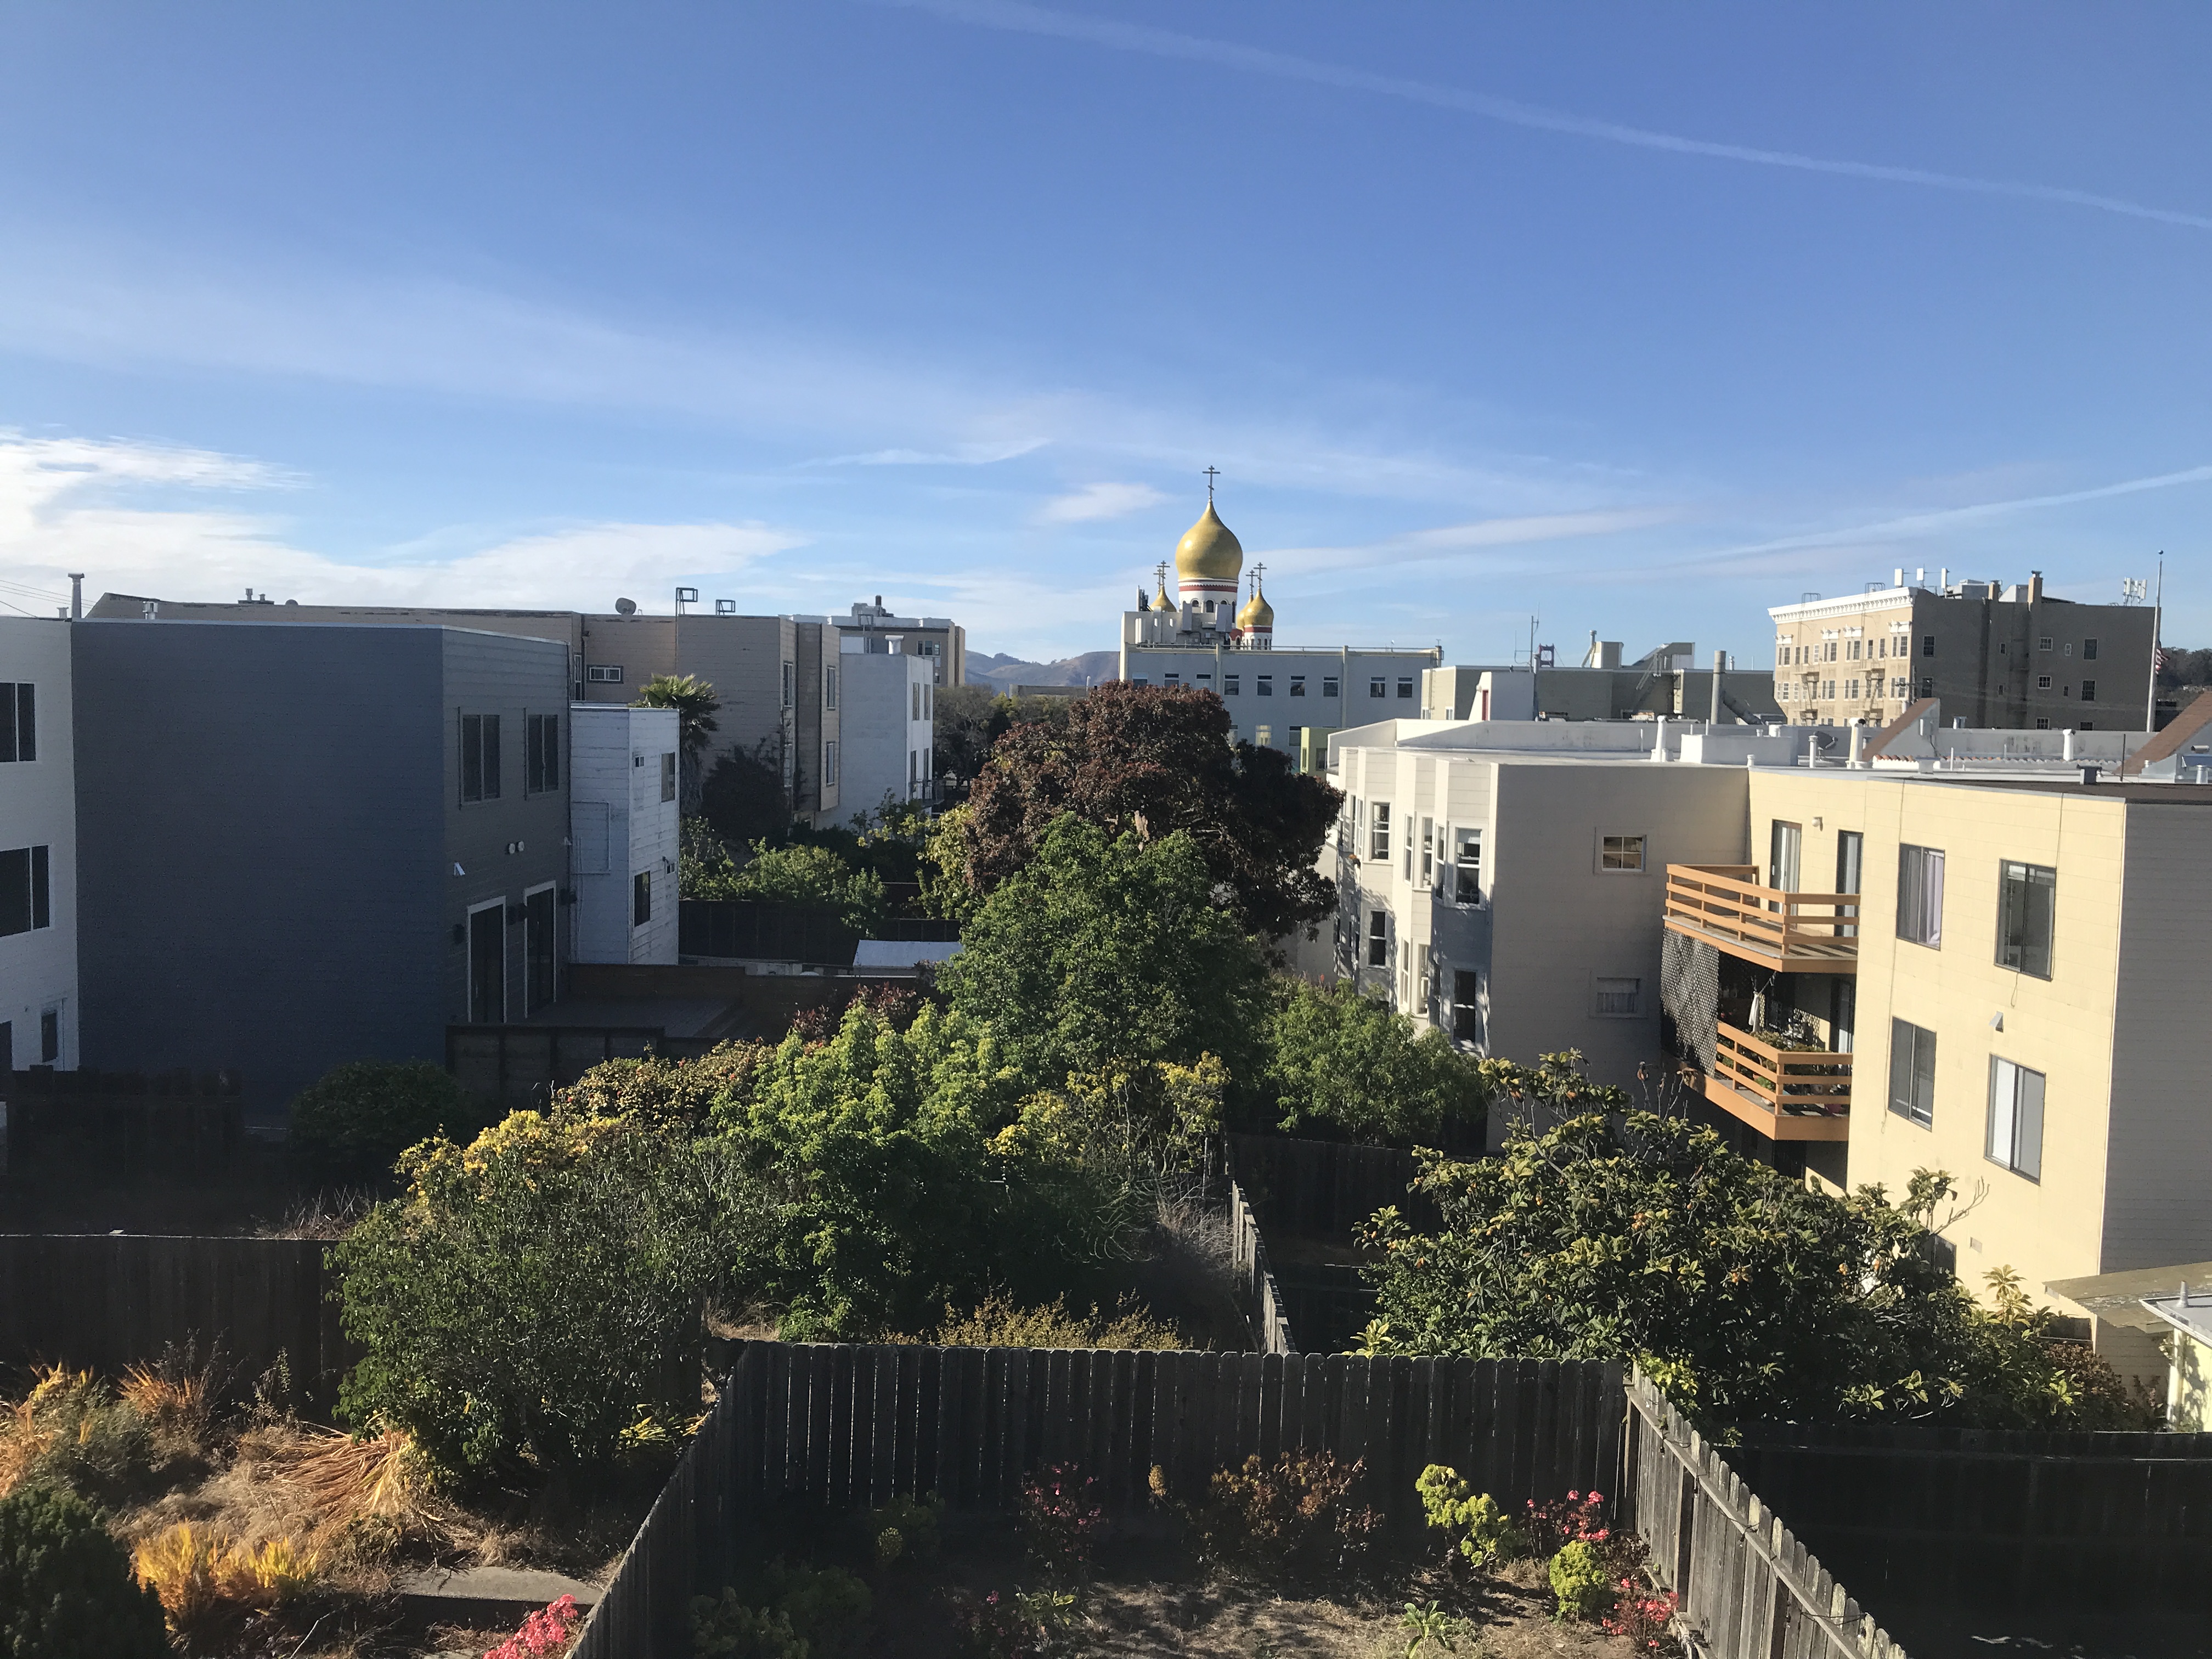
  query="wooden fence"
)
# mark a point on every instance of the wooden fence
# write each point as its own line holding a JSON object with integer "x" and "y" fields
{"x": 1256, "y": 1283}
{"x": 521, "y": 1065}
{"x": 1323, "y": 1187}
{"x": 127, "y": 1123}
{"x": 105, "y": 1302}
{"x": 2016, "y": 1524}
{"x": 845, "y": 1427}
{"x": 1750, "y": 1588}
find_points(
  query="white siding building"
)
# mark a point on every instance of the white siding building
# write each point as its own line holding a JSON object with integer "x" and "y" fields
{"x": 890, "y": 725}
{"x": 623, "y": 789}
{"x": 38, "y": 848}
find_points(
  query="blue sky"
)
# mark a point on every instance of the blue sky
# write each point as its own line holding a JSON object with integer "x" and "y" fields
{"x": 1639, "y": 319}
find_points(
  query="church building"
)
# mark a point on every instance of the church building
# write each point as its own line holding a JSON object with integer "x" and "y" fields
{"x": 1289, "y": 698}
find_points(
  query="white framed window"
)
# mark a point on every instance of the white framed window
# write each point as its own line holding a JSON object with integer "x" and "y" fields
{"x": 1233, "y": 685}
{"x": 2025, "y": 905}
{"x": 1466, "y": 865}
{"x": 1428, "y": 852}
{"x": 1378, "y": 829}
{"x": 1620, "y": 854}
{"x": 19, "y": 721}
{"x": 1912, "y": 1073}
{"x": 1616, "y": 998}
{"x": 830, "y": 763}
{"x": 1920, "y": 895}
{"x": 668, "y": 777}
{"x": 2016, "y": 1122}
{"x": 603, "y": 673}
{"x": 829, "y": 688}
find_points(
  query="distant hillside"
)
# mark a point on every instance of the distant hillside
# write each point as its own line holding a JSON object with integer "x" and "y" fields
{"x": 1093, "y": 666}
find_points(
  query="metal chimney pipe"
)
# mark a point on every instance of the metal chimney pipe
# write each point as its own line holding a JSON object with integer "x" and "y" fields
{"x": 1720, "y": 667}
{"x": 76, "y": 595}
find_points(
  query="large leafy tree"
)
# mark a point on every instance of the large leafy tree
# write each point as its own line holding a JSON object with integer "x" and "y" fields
{"x": 1158, "y": 761}
{"x": 1106, "y": 951}
{"x": 1342, "y": 1062}
{"x": 1744, "y": 1294}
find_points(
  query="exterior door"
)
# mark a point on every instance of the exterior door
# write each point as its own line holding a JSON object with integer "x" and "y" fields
{"x": 488, "y": 966}
{"x": 1851, "y": 852}
{"x": 1783, "y": 849}
{"x": 538, "y": 950}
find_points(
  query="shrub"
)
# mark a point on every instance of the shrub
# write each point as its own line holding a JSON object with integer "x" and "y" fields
{"x": 1642, "y": 1616}
{"x": 724, "y": 1627}
{"x": 787, "y": 1612}
{"x": 1059, "y": 1520}
{"x": 1294, "y": 1515}
{"x": 1020, "y": 1626}
{"x": 544, "y": 1634}
{"x": 65, "y": 1585}
{"x": 905, "y": 1529}
{"x": 1339, "y": 1061}
{"x": 669, "y": 1094}
{"x": 1480, "y": 1529}
{"x": 996, "y": 1322}
{"x": 1580, "y": 1580}
{"x": 352, "y": 1124}
{"x": 1577, "y": 1517}
{"x": 204, "y": 1579}
{"x": 531, "y": 1291}
{"x": 71, "y": 1430}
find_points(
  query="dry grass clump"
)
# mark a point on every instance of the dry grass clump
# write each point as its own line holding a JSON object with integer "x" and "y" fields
{"x": 205, "y": 1579}
{"x": 375, "y": 1492}
{"x": 996, "y": 1322}
{"x": 71, "y": 1430}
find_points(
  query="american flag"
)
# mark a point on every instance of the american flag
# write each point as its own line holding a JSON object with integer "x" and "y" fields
{"x": 2158, "y": 659}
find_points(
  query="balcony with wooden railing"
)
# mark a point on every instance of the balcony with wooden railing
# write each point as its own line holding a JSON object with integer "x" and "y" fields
{"x": 1785, "y": 1093}
{"x": 1723, "y": 905}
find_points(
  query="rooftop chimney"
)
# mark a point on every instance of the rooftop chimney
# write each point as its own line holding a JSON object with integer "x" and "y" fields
{"x": 2034, "y": 586}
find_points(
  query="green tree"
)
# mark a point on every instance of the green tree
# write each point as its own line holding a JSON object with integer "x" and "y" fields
{"x": 1156, "y": 760}
{"x": 1340, "y": 1061}
{"x": 891, "y": 1201}
{"x": 538, "y": 1290}
{"x": 809, "y": 875}
{"x": 1744, "y": 1295}
{"x": 351, "y": 1124}
{"x": 745, "y": 797}
{"x": 1107, "y": 951}
{"x": 66, "y": 1588}
{"x": 695, "y": 705}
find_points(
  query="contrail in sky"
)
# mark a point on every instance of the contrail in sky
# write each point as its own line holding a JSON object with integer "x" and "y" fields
{"x": 1011, "y": 15}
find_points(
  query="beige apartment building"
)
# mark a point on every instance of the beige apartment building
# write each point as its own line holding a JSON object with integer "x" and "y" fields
{"x": 1997, "y": 656}
{"x": 1995, "y": 969}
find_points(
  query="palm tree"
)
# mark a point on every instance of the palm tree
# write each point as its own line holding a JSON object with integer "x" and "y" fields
{"x": 695, "y": 705}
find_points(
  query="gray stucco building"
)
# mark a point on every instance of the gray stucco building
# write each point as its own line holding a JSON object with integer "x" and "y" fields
{"x": 300, "y": 844}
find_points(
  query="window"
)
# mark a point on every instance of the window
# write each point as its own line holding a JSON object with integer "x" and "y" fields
{"x": 2043, "y": 644}
{"x": 668, "y": 777}
{"x": 1851, "y": 690}
{"x": 2043, "y": 682}
{"x": 2088, "y": 690}
{"x": 1428, "y": 852}
{"x": 1785, "y": 846}
{"x": 1467, "y": 866}
{"x": 541, "y": 753}
{"x": 1927, "y": 686}
{"x": 479, "y": 757}
{"x": 641, "y": 898}
{"x": 1205, "y": 680}
{"x": 26, "y": 903}
{"x": 2025, "y": 892}
{"x": 1233, "y": 685}
{"x": 1378, "y": 938}
{"x": 1375, "y": 686}
{"x": 1912, "y": 1073}
{"x": 829, "y": 688}
{"x": 1920, "y": 895}
{"x": 830, "y": 764}
{"x": 2088, "y": 650}
{"x": 603, "y": 673}
{"x": 1828, "y": 653}
{"x": 1329, "y": 683}
{"x": 2043, "y": 726}
{"x": 1264, "y": 685}
{"x": 1467, "y": 1007}
{"x": 1298, "y": 685}
{"x": 1853, "y": 653}
{"x": 1621, "y": 853}
{"x": 19, "y": 722}
{"x": 49, "y": 1037}
{"x": 1405, "y": 690}
{"x": 788, "y": 673}
{"x": 1378, "y": 829}
{"x": 1927, "y": 645}
{"x": 2015, "y": 1138}
{"x": 1171, "y": 679}
{"x": 913, "y": 702}
{"x": 1618, "y": 998}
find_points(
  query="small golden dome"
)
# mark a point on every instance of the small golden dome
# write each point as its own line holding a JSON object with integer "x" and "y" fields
{"x": 1209, "y": 549}
{"x": 1160, "y": 600}
{"x": 1256, "y": 613}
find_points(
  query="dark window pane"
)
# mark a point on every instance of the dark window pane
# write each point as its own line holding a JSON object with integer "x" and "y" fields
{"x": 641, "y": 898}
{"x": 16, "y": 891}
{"x": 7, "y": 723}
{"x": 26, "y": 722}
{"x": 491, "y": 758}
{"x": 2024, "y": 916}
{"x": 41, "y": 906}
{"x": 552, "y": 751}
{"x": 2027, "y": 1125}
{"x": 472, "y": 757}
{"x": 49, "y": 1037}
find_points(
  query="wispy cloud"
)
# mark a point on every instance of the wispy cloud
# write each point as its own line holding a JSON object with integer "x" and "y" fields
{"x": 73, "y": 505}
{"x": 1100, "y": 501}
{"x": 1010, "y": 14}
{"x": 975, "y": 454}
{"x": 1445, "y": 541}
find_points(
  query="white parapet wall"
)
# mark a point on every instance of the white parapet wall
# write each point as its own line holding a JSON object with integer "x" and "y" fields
{"x": 624, "y": 818}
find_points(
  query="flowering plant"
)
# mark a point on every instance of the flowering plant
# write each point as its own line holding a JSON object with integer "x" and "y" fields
{"x": 1642, "y": 1615}
{"x": 1577, "y": 1517}
{"x": 1060, "y": 1518}
{"x": 544, "y": 1634}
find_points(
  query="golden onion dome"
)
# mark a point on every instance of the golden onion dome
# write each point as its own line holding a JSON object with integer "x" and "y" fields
{"x": 1256, "y": 613}
{"x": 1209, "y": 549}
{"x": 1160, "y": 600}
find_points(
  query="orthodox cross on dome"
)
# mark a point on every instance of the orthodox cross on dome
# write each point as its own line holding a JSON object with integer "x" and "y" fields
{"x": 1258, "y": 571}
{"x": 1211, "y": 473}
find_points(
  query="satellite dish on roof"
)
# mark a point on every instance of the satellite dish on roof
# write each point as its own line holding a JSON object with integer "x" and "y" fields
{"x": 625, "y": 607}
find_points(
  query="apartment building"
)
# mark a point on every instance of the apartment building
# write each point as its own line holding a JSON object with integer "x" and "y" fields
{"x": 1996, "y": 655}
{"x": 888, "y": 756}
{"x": 624, "y": 832}
{"x": 776, "y": 675}
{"x": 300, "y": 844}
{"x": 1982, "y": 954}
{"x": 38, "y": 1005}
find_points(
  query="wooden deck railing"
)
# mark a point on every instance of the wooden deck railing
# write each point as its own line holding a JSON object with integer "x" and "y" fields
{"x": 1792, "y": 1080}
{"x": 1725, "y": 905}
